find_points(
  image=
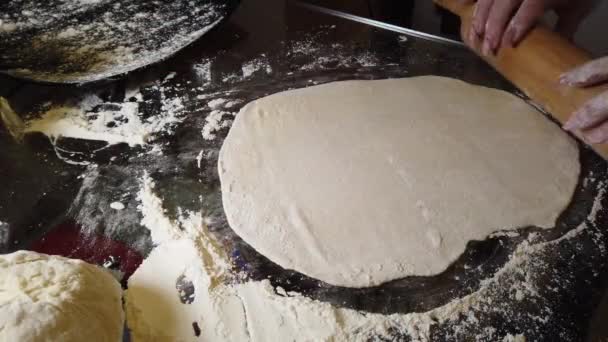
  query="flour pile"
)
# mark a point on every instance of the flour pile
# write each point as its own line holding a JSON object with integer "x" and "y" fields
{"x": 223, "y": 307}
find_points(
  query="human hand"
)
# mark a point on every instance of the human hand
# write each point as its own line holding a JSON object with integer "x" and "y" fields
{"x": 505, "y": 22}
{"x": 592, "y": 118}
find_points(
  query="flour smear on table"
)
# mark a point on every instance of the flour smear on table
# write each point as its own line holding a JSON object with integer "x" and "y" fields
{"x": 114, "y": 123}
{"x": 231, "y": 308}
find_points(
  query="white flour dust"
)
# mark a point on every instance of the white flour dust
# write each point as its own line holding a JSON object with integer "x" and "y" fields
{"x": 330, "y": 57}
{"x": 214, "y": 122}
{"x": 199, "y": 158}
{"x": 514, "y": 338}
{"x": 251, "y": 67}
{"x": 308, "y": 54}
{"x": 7, "y": 27}
{"x": 4, "y": 233}
{"x": 216, "y": 103}
{"x": 224, "y": 308}
{"x": 203, "y": 71}
{"x": 109, "y": 44}
{"x": 117, "y": 206}
{"x": 114, "y": 123}
{"x": 218, "y": 118}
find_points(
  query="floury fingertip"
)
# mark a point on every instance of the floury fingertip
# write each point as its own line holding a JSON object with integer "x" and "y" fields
{"x": 571, "y": 124}
{"x": 565, "y": 79}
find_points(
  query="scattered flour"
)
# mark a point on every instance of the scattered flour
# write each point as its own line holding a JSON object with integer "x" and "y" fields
{"x": 249, "y": 68}
{"x": 203, "y": 71}
{"x": 231, "y": 78}
{"x": 7, "y": 27}
{"x": 169, "y": 76}
{"x": 514, "y": 338}
{"x": 367, "y": 60}
{"x": 89, "y": 2}
{"x": 4, "y": 233}
{"x": 226, "y": 309}
{"x": 232, "y": 103}
{"x": 335, "y": 56}
{"x": 199, "y": 158}
{"x": 134, "y": 93}
{"x": 309, "y": 54}
{"x": 117, "y": 206}
{"x": 304, "y": 47}
{"x": 219, "y": 103}
{"x": 12, "y": 122}
{"x": 253, "y": 66}
{"x": 216, "y": 103}
{"x": 161, "y": 227}
{"x": 213, "y": 123}
{"x": 105, "y": 45}
{"x": 114, "y": 123}
{"x": 68, "y": 33}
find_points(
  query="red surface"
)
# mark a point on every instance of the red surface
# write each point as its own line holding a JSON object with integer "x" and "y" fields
{"x": 68, "y": 240}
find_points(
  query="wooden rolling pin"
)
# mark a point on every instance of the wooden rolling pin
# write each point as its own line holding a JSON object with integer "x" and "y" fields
{"x": 535, "y": 65}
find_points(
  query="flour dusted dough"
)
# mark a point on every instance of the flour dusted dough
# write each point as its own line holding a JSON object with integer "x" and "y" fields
{"x": 360, "y": 182}
{"x": 51, "y": 298}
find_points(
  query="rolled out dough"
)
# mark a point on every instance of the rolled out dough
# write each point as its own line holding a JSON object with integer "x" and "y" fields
{"x": 360, "y": 182}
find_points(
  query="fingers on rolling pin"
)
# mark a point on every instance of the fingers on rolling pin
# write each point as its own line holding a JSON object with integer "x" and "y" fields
{"x": 590, "y": 117}
{"x": 588, "y": 74}
{"x": 471, "y": 38}
{"x": 496, "y": 23}
{"x": 473, "y": 34}
{"x": 528, "y": 14}
{"x": 597, "y": 135}
{"x": 480, "y": 15}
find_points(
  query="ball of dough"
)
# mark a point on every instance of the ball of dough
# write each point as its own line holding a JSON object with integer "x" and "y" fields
{"x": 52, "y": 298}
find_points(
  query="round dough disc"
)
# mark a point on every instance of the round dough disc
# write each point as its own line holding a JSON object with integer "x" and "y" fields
{"x": 360, "y": 182}
{"x": 51, "y": 298}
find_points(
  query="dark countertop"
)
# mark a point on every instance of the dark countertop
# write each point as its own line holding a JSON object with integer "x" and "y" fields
{"x": 55, "y": 207}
